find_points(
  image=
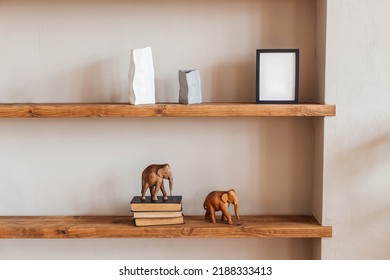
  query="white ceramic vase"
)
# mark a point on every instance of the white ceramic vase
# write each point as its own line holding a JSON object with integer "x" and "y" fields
{"x": 141, "y": 77}
{"x": 190, "y": 87}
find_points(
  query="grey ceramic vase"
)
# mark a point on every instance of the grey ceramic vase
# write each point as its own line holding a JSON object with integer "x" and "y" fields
{"x": 190, "y": 87}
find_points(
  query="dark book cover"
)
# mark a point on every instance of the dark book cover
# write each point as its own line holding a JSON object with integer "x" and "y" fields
{"x": 171, "y": 199}
{"x": 173, "y": 203}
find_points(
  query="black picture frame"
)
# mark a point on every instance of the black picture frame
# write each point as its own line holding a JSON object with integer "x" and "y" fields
{"x": 277, "y": 76}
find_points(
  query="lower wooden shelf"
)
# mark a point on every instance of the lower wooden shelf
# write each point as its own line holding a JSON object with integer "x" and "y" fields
{"x": 194, "y": 227}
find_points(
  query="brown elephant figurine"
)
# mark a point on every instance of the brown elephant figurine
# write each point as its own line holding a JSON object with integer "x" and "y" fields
{"x": 220, "y": 201}
{"x": 153, "y": 178}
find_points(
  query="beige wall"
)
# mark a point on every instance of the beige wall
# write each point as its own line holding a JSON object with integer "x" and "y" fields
{"x": 78, "y": 51}
{"x": 357, "y": 141}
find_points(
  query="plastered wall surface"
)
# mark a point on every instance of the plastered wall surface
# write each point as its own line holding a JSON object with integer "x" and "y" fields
{"x": 79, "y": 51}
{"x": 357, "y": 141}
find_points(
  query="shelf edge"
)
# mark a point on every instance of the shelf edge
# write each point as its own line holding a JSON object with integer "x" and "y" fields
{"x": 110, "y": 110}
{"x": 48, "y": 227}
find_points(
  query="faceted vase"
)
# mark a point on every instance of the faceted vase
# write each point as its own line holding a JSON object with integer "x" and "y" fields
{"x": 141, "y": 77}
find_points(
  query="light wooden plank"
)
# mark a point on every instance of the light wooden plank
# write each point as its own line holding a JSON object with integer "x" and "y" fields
{"x": 81, "y": 110}
{"x": 194, "y": 227}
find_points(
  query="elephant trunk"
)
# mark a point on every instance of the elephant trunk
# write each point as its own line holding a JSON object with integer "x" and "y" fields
{"x": 236, "y": 209}
{"x": 171, "y": 184}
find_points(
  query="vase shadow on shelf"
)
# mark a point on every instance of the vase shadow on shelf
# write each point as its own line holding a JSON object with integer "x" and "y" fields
{"x": 96, "y": 87}
{"x": 91, "y": 83}
{"x": 165, "y": 91}
{"x": 98, "y": 81}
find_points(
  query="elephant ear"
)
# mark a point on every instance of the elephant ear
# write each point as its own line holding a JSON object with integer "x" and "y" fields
{"x": 160, "y": 172}
{"x": 224, "y": 197}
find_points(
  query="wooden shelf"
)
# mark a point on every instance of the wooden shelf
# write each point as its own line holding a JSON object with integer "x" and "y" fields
{"x": 194, "y": 227}
{"x": 81, "y": 110}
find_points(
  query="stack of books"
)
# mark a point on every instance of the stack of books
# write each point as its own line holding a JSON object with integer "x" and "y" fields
{"x": 160, "y": 212}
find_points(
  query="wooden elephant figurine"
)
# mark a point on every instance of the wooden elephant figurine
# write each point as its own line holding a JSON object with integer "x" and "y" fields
{"x": 220, "y": 201}
{"x": 153, "y": 178}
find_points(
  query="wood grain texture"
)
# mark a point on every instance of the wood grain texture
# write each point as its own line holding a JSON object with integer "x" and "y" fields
{"x": 194, "y": 227}
{"x": 82, "y": 110}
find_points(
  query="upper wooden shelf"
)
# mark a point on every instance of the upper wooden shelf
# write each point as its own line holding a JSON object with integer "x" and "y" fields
{"x": 81, "y": 110}
{"x": 194, "y": 227}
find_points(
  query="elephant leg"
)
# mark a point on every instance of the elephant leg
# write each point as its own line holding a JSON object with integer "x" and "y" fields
{"x": 144, "y": 188}
{"x": 225, "y": 212}
{"x": 155, "y": 191}
{"x": 151, "y": 190}
{"x": 212, "y": 216}
{"x": 165, "y": 197}
{"x": 207, "y": 215}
